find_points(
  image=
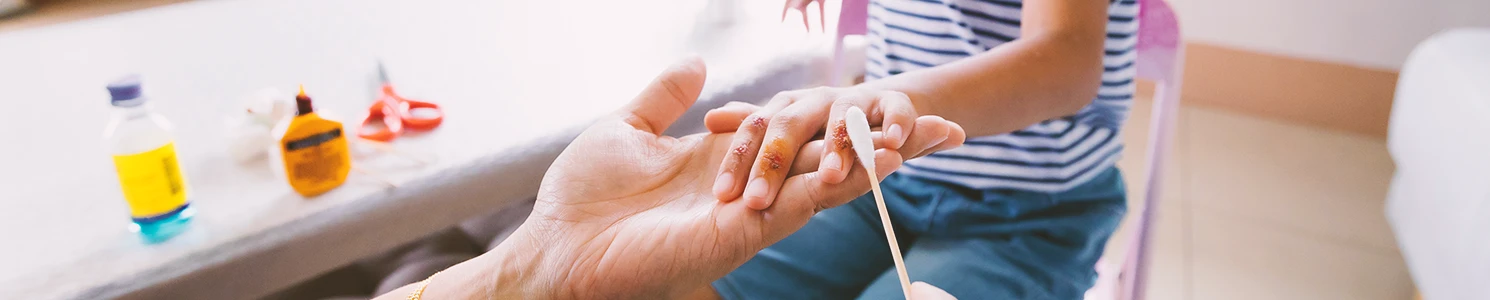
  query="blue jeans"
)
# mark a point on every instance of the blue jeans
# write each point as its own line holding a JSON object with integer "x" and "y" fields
{"x": 975, "y": 244}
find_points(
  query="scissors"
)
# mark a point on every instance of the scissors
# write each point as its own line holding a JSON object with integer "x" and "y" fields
{"x": 396, "y": 112}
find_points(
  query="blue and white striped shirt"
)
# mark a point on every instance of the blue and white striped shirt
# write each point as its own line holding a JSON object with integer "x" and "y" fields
{"x": 1051, "y": 156}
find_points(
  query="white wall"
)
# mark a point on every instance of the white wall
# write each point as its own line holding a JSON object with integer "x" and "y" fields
{"x": 1367, "y": 33}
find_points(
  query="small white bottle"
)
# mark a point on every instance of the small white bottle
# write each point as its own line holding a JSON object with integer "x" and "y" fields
{"x": 144, "y": 153}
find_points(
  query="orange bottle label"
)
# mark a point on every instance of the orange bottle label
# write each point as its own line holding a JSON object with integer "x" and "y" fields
{"x": 315, "y": 155}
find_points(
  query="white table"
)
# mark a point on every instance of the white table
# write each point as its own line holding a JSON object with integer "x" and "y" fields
{"x": 517, "y": 80}
{"x": 1439, "y": 204}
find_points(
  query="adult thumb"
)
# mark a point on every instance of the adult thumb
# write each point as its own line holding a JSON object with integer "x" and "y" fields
{"x": 667, "y": 97}
{"x": 925, "y": 291}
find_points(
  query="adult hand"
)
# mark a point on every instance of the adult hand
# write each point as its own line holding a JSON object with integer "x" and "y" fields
{"x": 925, "y": 291}
{"x": 627, "y": 202}
{"x": 627, "y": 213}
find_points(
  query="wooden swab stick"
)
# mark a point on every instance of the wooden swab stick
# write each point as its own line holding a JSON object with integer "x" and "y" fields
{"x": 858, "y": 134}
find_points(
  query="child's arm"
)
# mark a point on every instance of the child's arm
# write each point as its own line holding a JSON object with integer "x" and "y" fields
{"x": 1052, "y": 70}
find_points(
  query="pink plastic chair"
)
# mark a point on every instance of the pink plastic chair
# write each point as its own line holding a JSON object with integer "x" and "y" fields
{"x": 1161, "y": 56}
{"x": 853, "y": 19}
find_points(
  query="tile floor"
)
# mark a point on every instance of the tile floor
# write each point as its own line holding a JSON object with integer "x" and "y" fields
{"x": 1261, "y": 209}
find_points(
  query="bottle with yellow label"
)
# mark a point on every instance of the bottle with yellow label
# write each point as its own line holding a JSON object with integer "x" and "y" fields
{"x": 313, "y": 150}
{"x": 144, "y": 153}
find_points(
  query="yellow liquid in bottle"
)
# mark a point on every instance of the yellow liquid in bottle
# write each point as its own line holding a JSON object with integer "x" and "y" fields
{"x": 152, "y": 182}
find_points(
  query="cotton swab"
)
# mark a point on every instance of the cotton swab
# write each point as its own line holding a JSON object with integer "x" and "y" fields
{"x": 858, "y": 134}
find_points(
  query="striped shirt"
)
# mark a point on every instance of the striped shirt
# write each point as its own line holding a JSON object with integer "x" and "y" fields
{"x": 1050, "y": 156}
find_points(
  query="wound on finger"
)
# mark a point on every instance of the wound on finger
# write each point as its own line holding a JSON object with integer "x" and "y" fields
{"x": 772, "y": 161}
{"x": 741, "y": 149}
{"x": 758, "y": 122}
{"x": 840, "y": 136}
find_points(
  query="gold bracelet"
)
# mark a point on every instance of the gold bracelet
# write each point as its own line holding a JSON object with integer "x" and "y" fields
{"x": 422, "y": 284}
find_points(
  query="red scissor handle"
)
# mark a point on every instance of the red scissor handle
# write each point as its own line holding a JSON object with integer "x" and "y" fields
{"x": 395, "y": 113}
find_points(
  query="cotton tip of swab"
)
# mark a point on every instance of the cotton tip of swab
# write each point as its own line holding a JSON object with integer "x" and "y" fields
{"x": 858, "y": 134}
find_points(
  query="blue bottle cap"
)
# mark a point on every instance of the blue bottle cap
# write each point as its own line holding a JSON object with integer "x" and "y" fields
{"x": 126, "y": 88}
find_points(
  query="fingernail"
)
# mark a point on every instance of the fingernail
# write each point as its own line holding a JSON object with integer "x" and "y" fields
{"x": 930, "y": 146}
{"x": 757, "y": 189}
{"x": 894, "y": 134}
{"x": 723, "y": 184}
{"x": 833, "y": 162}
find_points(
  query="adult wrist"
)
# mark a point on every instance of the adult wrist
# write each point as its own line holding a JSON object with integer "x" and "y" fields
{"x": 517, "y": 271}
{"x": 510, "y": 271}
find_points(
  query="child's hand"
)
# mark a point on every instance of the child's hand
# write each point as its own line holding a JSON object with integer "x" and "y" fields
{"x": 768, "y": 138}
{"x": 801, "y": 6}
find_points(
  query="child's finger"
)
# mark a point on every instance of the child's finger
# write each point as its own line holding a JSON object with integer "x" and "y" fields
{"x": 932, "y": 134}
{"x": 895, "y": 113}
{"x": 800, "y": 5}
{"x": 890, "y": 110}
{"x": 727, "y": 118}
{"x": 737, "y": 162}
{"x": 787, "y": 131}
{"x": 822, "y": 16}
{"x": 730, "y": 181}
{"x": 784, "y": 7}
{"x": 803, "y": 9}
{"x": 955, "y": 137}
{"x": 931, "y": 131}
{"x": 838, "y": 157}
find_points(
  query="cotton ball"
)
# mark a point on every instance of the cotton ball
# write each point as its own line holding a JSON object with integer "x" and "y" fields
{"x": 251, "y": 133}
{"x": 247, "y": 140}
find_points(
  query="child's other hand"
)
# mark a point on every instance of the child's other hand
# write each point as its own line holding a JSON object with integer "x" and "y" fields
{"x": 768, "y": 138}
{"x": 801, "y": 6}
